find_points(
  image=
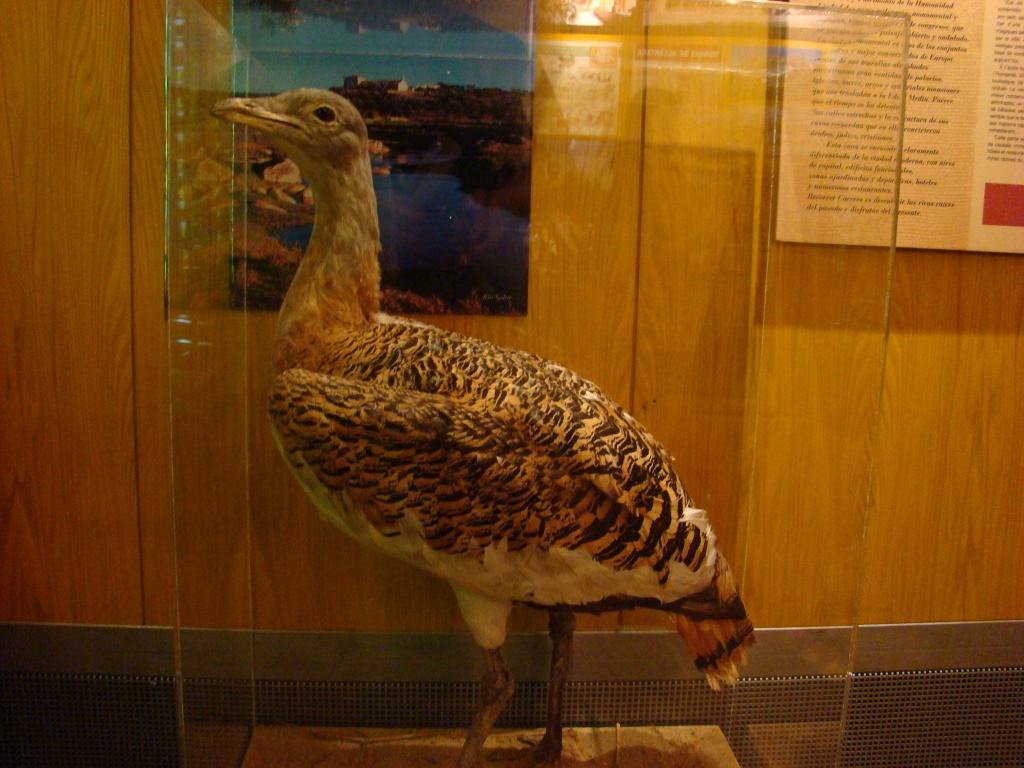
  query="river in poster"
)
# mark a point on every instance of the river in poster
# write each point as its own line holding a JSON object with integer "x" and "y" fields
{"x": 446, "y": 91}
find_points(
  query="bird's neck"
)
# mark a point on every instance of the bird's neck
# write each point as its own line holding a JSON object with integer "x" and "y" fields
{"x": 337, "y": 284}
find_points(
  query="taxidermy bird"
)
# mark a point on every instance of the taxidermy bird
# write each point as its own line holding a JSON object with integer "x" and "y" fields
{"x": 509, "y": 476}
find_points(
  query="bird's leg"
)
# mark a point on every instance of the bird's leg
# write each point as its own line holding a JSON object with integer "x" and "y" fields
{"x": 495, "y": 690}
{"x": 561, "y": 625}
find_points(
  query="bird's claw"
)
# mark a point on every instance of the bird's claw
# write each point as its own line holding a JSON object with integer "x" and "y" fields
{"x": 540, "y": 752}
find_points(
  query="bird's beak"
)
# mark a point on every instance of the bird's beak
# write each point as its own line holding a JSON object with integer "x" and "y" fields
{"x": 254, "y": 113}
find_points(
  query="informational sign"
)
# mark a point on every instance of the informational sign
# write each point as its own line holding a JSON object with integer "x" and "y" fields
{"x": 962, "y": 178}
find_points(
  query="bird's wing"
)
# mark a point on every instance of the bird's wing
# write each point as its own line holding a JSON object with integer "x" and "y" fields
{"x": 480, "y": 450}
{"x": 553, "y": 406}
{"x": 467, "y": 476}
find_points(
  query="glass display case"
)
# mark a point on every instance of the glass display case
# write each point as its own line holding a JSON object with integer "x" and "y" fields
{"x": 691, "y": 204}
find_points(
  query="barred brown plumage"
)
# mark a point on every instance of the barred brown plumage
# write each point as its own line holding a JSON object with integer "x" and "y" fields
{"x": 459, "y": 479}
{"x": 510, "y": 476}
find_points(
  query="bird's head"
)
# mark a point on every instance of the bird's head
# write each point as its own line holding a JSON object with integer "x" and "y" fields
{"x": 325, "y": 136}
{"x": 319, "y": 130}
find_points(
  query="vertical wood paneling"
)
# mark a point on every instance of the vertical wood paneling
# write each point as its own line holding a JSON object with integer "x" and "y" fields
{"x": 817, "y": 394}
{"x": 149, "y": 317}
{"x": 69, "y": 540}
{"x": 807, "y": 412}
{"x": 703, "y": 145}
{"x": 211, "y": 466}
{"x": 944, "y": 537}
{"x": 84, "y": 525}
{"x": 693, "y": 328}
{"x": 207, "y": 340}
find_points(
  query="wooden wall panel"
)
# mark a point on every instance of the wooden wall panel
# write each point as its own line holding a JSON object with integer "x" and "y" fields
{"x": 943, "y": 543}
{"x": 693, "y": 329}
{"x": 208, "y": 341}
{"x": 69, "y": 537}
{"x": 817, "y": 395}
{"x": 211, "y": 465}
{"x": 703, "y": 153}
{"x": 794, "y": 383}
{"x": 84, "y": 525}
{"x": 149, "y": 316}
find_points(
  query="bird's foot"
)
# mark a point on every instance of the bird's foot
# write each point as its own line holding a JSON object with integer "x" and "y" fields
{"x": 548, "y": 751}
{"x": 537, "y": 753}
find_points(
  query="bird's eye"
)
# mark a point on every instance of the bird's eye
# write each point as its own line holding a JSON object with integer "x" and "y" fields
{"x": 325, "y": 114}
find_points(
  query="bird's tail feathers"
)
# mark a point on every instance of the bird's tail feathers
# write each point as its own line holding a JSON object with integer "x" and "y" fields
{"x": 718, "y": 645}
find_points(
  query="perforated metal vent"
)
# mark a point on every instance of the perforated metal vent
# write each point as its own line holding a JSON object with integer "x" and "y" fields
{"x": 388, "y": 705}
{"x": 792, "y": 722}
{"x": 54, "y": 717}
{"x": 218, "y": 720}
{"x": 451, "y": 705}
{"x": 795, "y": 721}
{"x": 642, "y": 702}
{"x": 58, "y": 721}
{"x": 217, "y": 701}
{"x": 935, "y": 719}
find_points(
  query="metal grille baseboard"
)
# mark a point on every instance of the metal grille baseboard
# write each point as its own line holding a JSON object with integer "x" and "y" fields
{"x": 793, "y": 722}
{"x": 927, "y": 719}
{"x": 99, "y": 721}
{"x": 763, "y": 718}
{"x": 99, "y": 697}
{"x": 451, "y": 705}
{"x": 935, "y": 719}
{"x": 217, "y": 701}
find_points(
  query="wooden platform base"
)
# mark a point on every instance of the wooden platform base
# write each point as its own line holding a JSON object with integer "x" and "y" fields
{"x": 649, "y": 747}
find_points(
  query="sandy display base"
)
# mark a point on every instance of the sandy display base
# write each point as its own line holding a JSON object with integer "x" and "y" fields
{"x": 649, "y": 747}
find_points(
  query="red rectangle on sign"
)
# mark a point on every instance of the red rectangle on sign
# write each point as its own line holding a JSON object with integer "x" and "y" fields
{"x": 1004, "y": 205}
